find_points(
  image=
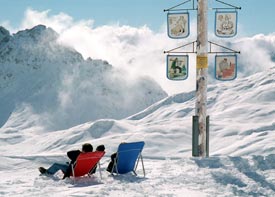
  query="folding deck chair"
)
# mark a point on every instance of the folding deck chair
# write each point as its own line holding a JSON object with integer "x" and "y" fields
{"x": 86, "y": 162}
{"x": 128, "y": 157}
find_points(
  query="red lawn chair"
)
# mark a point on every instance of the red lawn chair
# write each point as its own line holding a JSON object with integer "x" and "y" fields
{"x": 86, "y": 162}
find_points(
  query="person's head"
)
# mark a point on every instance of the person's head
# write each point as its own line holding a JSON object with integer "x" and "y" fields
{"x": 100, "y": 148}
{"x": 87, "y": 147}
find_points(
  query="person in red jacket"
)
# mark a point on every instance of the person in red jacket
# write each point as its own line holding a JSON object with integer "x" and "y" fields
{"x": 66, "y": 168}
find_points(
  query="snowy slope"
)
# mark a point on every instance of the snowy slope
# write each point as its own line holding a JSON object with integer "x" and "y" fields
{"x": 241, "y": 148}
{"x": 60, "y": 87}
{"x": 242, "y": 133}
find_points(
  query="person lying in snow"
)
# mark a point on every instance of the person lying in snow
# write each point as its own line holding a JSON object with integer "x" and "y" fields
{"x": 66, "y": 168}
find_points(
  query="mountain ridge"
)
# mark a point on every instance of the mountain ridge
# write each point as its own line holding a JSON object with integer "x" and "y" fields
{"x": 60, "y": 86}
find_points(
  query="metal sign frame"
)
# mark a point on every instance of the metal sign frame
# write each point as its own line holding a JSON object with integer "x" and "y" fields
{"x": 178, "y": 25}
{"x": 226, "y": 23}
{"x": 180, "y": 68}
{"x": 225, "y": 67}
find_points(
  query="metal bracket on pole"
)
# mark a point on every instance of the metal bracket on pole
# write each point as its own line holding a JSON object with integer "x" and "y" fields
{"x": 195, "y": 136}
{"x": 172, "y": 9}
{"x": 231, "y": 6}
{"x": 172, "y": 51}
{"x": 182, "y": 46}
{"x": 226, "y": 48}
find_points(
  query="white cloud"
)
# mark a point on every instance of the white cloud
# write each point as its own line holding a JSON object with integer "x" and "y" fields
{"x": 140, "y": 50}
{"x": 256, "y": 53}
{"x": 59, "y": 22}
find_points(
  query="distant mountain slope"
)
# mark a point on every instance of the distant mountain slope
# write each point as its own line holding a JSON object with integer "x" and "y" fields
{"x": 38, "y": 76}
{"x": 241, "y": 123}
{"x": 241, "y": 111}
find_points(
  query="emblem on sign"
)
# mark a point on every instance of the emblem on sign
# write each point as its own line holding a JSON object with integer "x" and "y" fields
{"x": 178, "y": 25}
{"x": 226, "y": 67}
{"x": 177, "y": 67}
{"x": 226, "y": 24}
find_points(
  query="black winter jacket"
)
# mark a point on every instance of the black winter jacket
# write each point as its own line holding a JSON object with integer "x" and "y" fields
{"x": 73, "y": 154}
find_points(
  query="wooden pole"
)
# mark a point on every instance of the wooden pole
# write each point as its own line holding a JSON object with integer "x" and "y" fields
{"x": 201, "y": 75}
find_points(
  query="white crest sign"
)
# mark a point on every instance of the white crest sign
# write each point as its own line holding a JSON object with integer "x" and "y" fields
{"x": 226, "y": 24}
{"x": 178, "y": 25}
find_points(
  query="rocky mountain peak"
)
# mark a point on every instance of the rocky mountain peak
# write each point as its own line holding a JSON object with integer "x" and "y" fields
{"x": 4, "y": 34}
{"x": 38, "y": 33}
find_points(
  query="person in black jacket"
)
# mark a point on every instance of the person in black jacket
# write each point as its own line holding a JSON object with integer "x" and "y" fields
{"x": 111, "y": 168}
{"x": 112, "y": 163}
{"x": 66, "y": 168}
{"x": 98, "y": 148}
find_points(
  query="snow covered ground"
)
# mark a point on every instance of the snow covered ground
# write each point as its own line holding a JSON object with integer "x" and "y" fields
{"x": 241, "y": 162}
{"x": 242, "y": 151}
{"x": 215, "y": 176}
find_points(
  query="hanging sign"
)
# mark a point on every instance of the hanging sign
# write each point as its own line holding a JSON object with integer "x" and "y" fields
{"x": 177, "y": 67}
{"x": 178, "y": 25}
{"x": 226, "y": 67}
{"x": 226, "y": 24}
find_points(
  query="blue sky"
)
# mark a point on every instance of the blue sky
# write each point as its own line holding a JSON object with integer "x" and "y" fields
{"x": 81, "y": 27}
{"x": 255, "y": 16}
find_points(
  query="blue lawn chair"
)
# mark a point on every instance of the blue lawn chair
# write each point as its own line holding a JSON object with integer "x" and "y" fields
{"x": 128, "y": 157}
